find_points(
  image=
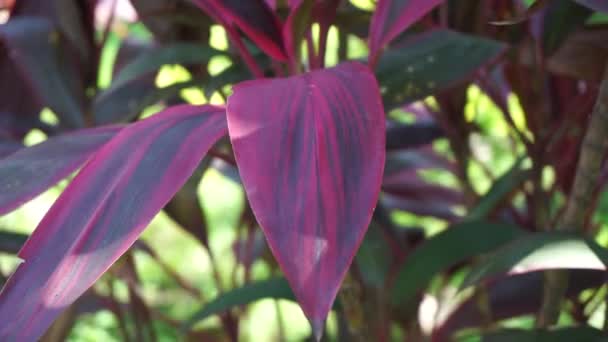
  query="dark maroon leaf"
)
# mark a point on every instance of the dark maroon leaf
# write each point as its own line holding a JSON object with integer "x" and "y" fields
{"x": 411, "y": 136}
{"x": 562, "y": 17}
{"x": 102, "y": 212}
{"x": 30, "y": 171}
{"x": 391, "y": 18}
{"x": 310, "y": 150}
{"x": 254, "y": 17}
{"x": 596, "y": 5}
{"x": 583, "y": 55}
{"x": 34, "y": 52}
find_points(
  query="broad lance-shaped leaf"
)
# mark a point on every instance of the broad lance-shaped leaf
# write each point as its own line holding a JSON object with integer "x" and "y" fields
{"x": 310, "y": 150}
{"x": 30, "y": 171}
{"x": 392, "y": 17}
{"x": 458, "y": 243}
{"x": 102, "y": 212}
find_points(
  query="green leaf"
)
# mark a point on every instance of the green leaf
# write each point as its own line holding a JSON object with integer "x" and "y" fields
{"x": 274, "y": 288}
{"x": 499, "y": 191}
{"x": 126, "y": 104}
{"x": 11, "y": 242}
{"x": 458, "y": 243}
{"x": 33, "y": 45}
{"x": 152, "y": 61}
{"x": 539, "y": 251}
{"x": 578, "y": 334}
{"x": 374, "y": 256}
{"x": 431, "y": 61}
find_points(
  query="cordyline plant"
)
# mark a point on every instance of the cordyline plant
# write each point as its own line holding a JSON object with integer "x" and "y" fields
{"x": 331, "y": 164}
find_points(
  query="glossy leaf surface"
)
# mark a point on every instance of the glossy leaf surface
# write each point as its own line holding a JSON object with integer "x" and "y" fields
{"x": 30, "y": 171}
{"x": 432, "y": 61}
{"x": 310, "y": 151}
{"x": 539, "y": 252}
{"x": 102, "y": 212}
{"x": 394, "y": 16}
{"x": 458, "y": 243}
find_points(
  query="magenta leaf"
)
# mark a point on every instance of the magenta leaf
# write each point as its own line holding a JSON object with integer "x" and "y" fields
{"x": 392, "y": 17}
{"x": 102, "y": 212}
{"x": 30, "y": 171}
{"x": 254, "y": 17}
{"x": 310, "y": 151}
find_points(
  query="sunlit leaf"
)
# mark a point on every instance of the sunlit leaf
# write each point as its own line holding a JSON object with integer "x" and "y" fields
{"x": 540, "y": 251}
{"x": 254, "y": 18}
{"x": 310, "y": 151}
{"x": 458, "y": 243}
{"x": 102, "y": 212}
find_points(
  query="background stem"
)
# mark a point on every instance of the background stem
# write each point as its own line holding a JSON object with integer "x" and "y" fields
{"x": 593, "y": 149}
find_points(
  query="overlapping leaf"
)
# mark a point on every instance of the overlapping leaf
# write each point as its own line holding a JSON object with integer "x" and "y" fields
{"x": 392, "y": 17}
{"x": 30, "y": 41}
{"x": 432, "y": 61}
{"x": 30, "y": 171}
{"x": 596, "y": 5}
{"x": 447, "y": 249}
{"x": 254, "y": 18}
{"x": 541, "y": 251}
{"x": 102, "y": 212}
{"x": 310, "y": 150}
{"x": 513, "y": 296}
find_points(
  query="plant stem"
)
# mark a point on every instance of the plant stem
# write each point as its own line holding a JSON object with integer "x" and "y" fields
{"x": 588, "y": 169}
{"x": 352, "y": 306}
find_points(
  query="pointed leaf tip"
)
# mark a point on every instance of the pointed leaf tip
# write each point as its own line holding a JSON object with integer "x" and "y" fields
{"x": 318, "y": 326}
{"x": 311, "y": 151}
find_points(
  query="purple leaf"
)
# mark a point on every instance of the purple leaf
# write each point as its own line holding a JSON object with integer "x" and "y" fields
{"x": 35, "y": 55}
{"x": 596, "y": 5}
{"x": 310, "y": 150}
{"x": 392, "y": 17}
{"x": 30, "y": 171}
{"x": 254, "y": 17}
{"x": 102, "y": 212}
{"x": 8, "y": 147}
